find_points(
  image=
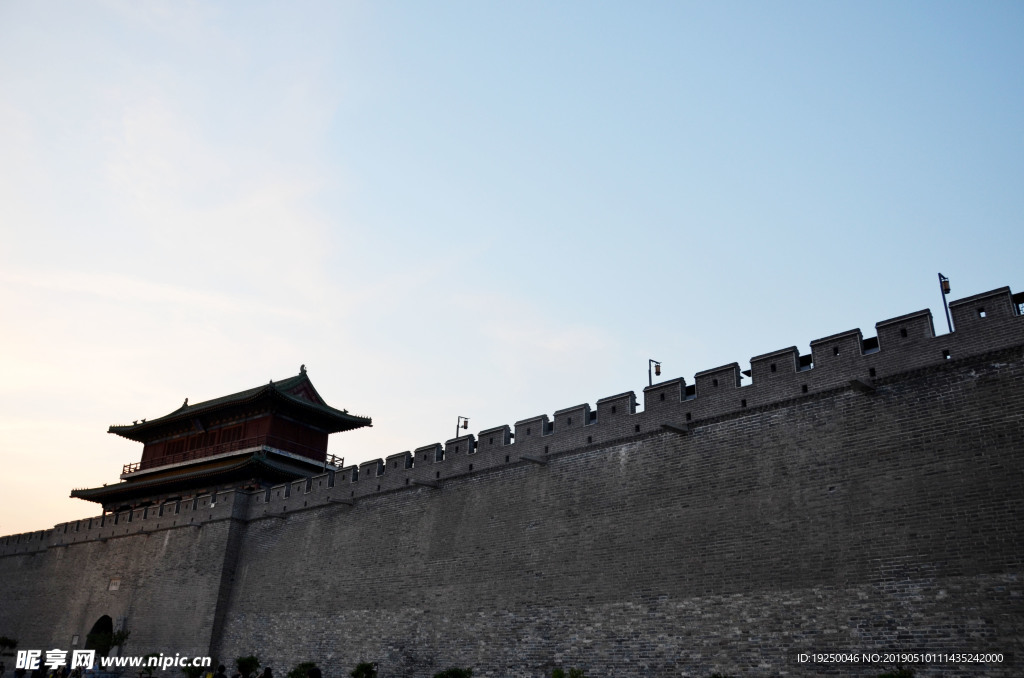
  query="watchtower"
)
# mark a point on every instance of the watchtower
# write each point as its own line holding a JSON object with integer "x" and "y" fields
{"x": 251, "y": 439}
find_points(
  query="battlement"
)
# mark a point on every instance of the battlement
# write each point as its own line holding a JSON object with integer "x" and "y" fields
{"x": 864, "y": 491}
{"x": 192, "y": 512}
{"x": 984, "y": 323}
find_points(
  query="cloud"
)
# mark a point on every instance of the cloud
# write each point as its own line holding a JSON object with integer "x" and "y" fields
{"x": 215, "y": 211}
{"x": 121, "y": 288}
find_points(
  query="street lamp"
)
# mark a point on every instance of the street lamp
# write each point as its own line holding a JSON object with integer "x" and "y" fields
{"x": 657, "y": 371}
{"x": 944, "y": 286}
{"x": 461, "y": 422}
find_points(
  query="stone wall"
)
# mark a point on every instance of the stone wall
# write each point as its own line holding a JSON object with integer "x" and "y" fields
{"x": 840, "y": 522}
{"x": 864, "y": 498}
{"x": 161, "y": 585}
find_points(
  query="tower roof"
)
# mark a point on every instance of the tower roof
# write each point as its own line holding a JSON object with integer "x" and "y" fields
{"x": 208, "y": 473}
{"x": 295, "y": 395}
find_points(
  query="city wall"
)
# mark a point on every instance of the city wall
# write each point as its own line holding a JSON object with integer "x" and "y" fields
{"x": 865, "y": 497}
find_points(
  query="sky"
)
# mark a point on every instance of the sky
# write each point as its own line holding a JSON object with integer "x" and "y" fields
{"x": 490, "y": 210}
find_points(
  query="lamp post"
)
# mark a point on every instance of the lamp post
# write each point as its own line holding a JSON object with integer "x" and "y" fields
{"x": 657, "y": 371}
{"x": 944, "y": 286}
{"x": 461, "y": 422}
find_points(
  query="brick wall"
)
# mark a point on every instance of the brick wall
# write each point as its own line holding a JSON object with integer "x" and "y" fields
{"x": 835, "y": 522}
{"x": 869, "y": 503}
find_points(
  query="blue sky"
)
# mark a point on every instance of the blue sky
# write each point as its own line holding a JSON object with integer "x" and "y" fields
{"x": 479, "y": 209}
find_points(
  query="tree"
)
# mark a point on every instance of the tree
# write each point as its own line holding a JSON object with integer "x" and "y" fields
{"x": 146, "y": 668}
{"x": 7, "y": 645}
{"x": 364, "y": 670}
{"x": 103, "y": 643}
{"x": 454, "y": 672}
{"x": 573, "y": 673}
{"x": 300, "y": 670}
{"x": 247, "y": 665}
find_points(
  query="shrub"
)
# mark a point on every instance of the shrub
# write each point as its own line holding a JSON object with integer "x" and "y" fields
{"x": 103, "y": 643}
{"x": 300, "y": 670}
{"x": 364, "y": 670}
{"x": 146, "y": 669}
{"x": 247, "y": 665}
{"x": 454, "y": 673}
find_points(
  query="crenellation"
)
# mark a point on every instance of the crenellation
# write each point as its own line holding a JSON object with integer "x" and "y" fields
{"x": 901, "y": 331}
{"x": 395, "y": 473}
{"x": 717, "y": 382}
{"x": 422, "y": 469}
{"x": 429, "y": 454}
{"x": 402, "y": 460}
{"x": 491, "y": 449}
{"x": 265, "y": 500}
{"x": 460, "y": 455}
{"x": 499, "y": 436}
{"x": 26, "y": 542}
{"x": 369, "y": 470}
{"x": 834, "y": 360}
{"x": 570, "y": 418}
{"x": 367, "y": 479}
{"x": 230, "y": 504}
{"x": 462, "y": 445}
{"x": 837, "y": 349}
{"x": 769, "y": 368}
{"x": 564, "y": 431}
{"x": 786, "y": 485}
{"x": 315, "y": 491}
{"x": 804, "y": 362}
{"x": 977, "y": 312}
{"x": 528, "y": 432}
{"x": 616, "y": 417}
{"x": 392, "y": 471}
{"x": 348, "y": 474}
{"x": 616, "y": 405}
{"x": 664, "y": 396}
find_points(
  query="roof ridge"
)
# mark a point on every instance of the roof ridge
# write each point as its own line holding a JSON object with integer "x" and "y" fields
{"x": 281, "y": 388}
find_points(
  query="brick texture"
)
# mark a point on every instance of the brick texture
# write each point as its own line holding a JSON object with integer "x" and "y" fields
{"x": 876, "y": 510}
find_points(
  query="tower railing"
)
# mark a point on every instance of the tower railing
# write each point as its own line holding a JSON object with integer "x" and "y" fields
{"x": 276, "y": 442}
